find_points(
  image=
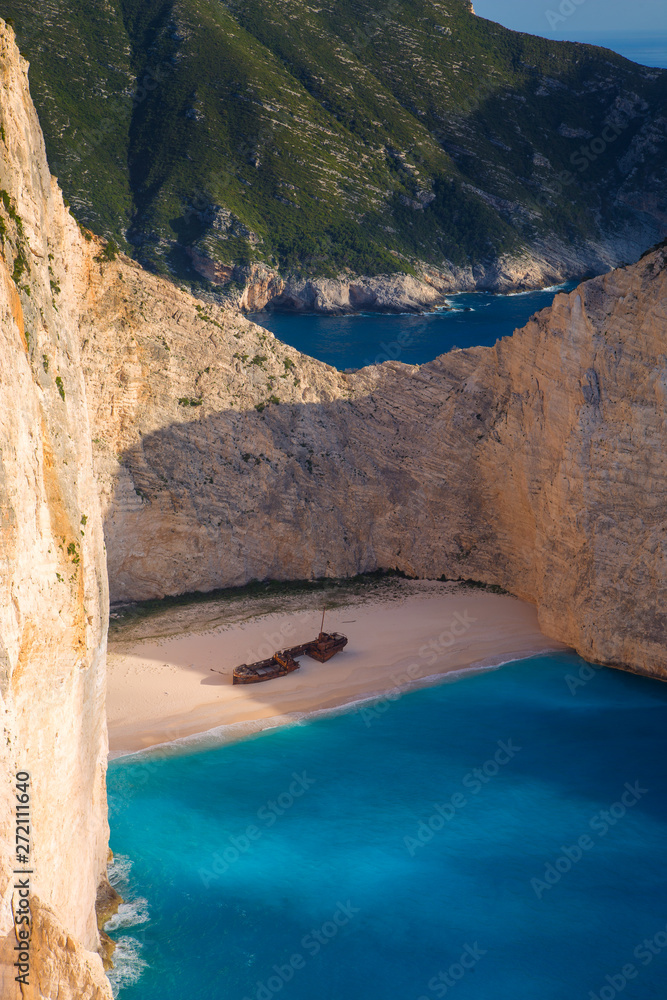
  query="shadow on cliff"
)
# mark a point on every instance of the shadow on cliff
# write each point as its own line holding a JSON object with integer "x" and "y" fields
{"x": 333, "y": 489}
{"x": 298, "y": 491}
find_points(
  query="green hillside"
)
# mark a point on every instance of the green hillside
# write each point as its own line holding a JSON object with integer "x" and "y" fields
{"x": 374, "y": 136}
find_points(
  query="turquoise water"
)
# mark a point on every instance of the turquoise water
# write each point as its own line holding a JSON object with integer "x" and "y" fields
{"x": 476, "y": 319}
{"x": 364, "y": 854}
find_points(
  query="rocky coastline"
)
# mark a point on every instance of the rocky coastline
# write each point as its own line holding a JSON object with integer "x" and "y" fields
{"x": 257, "y": 287}
{"x": 152, "y": 444}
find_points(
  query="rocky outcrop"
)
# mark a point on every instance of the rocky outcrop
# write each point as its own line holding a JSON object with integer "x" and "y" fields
{"x": 224, "y": 455}
{"x": 221, "y": 455}
{"x": 257, "y": 287}
{"x": 386, "y": 293}
{"x": 53, "y": 587}
{"x": 418, "y": 143}
{"x": 553, "y": 261}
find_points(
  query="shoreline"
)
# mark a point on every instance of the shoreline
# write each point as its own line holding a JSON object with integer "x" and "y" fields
{"x": 426, "y": 286}
{"x": 408, "y": 635}
{"x": 235, "y": 731}
{"x": 426, "y": 309}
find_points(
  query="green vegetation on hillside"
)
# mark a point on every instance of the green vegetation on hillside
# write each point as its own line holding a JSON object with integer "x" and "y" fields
{"x": 355, "y": 134}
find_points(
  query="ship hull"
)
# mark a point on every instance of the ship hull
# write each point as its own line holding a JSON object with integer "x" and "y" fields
{"x": 265, "y": 670}
{"x": 283, "y": 662}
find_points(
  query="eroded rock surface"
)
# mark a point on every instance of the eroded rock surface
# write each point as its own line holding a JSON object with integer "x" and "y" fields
{"x": 550, "y": 262}
{"x": 53, "y": 586}
{"x": 538, "y": 464}
{"x": 221, "y": 455}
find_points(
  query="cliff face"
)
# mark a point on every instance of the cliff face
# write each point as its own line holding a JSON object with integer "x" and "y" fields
{"x": 578, "y": 479}
{"x": 549, "y": 263}
{"x": 344, "y": 141}
{"x": 53, "y": 590}
{"x": 221, "y": 455}
{"x": 537, "y": 464}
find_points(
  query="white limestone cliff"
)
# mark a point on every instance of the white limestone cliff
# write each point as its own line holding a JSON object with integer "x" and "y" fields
{"x": 215, "y": 455}
{"x": 53, "y": 588}
{"x": 538, "y": 464}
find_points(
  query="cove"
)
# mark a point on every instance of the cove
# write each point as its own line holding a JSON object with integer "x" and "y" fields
{"x": 500, "y": 835}
{"x": 475, "y": 319}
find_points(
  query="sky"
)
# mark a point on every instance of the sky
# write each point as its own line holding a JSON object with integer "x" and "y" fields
{"x": 636, "y": 29}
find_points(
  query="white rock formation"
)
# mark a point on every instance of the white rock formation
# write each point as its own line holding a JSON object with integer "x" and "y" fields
{"x": 538, "y": 464}
{"x": 53, "y": 588}
{"x": 221, "y": 455}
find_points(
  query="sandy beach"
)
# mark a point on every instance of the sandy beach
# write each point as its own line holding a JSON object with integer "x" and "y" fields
{"x": 161, "y": 686}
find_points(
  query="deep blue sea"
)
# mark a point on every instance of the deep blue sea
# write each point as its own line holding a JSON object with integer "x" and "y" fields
{"x": 649, "y": 50}
{"x": 640, "y": 47}
{"x": 496, "y": 837}
{"x": 612, "y": 24}
{"x": 476, "y": 318}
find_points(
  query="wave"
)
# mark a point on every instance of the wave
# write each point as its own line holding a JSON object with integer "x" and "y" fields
{"x": 129, "y": 914}
{"x": 128, "y": 965}
{"x": 132, "y": 911}
{"x": 451, "y": 307}
{"x": 536, "y": 291}
{"x": 211, "y": 738}
{"x": 236, "y": 731}
{"x": 118, "y": 871}
{"x": 555, "y": 288}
